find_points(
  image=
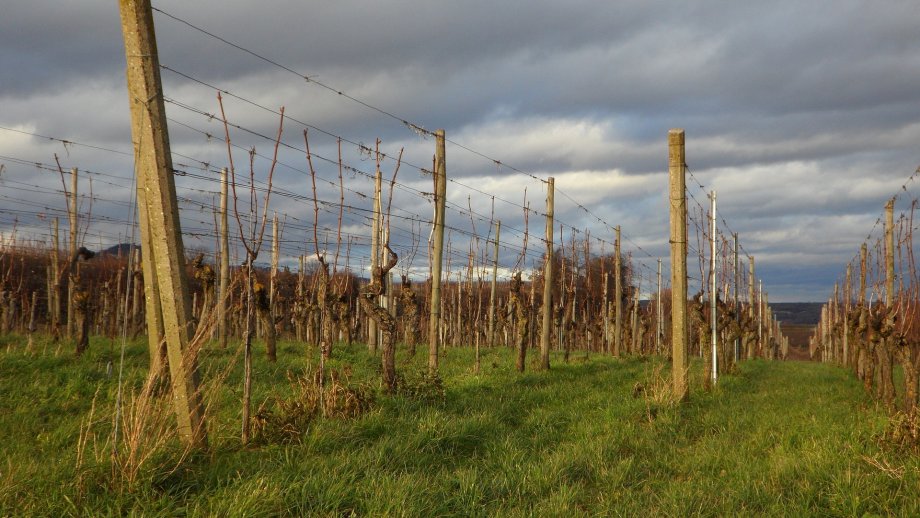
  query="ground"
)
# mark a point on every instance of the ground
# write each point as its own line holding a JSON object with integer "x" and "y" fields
{"x": 591, "y": 437}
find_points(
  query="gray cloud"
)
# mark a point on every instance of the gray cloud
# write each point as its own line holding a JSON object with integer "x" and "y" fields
{"x": 802, "y": 116}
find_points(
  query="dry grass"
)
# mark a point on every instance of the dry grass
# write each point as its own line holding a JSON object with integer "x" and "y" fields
{"x": 144, "y": 441}
{"x": 286, "y": 420}
{"x": 657, "y": 390}
{"x": 903, "y": 430}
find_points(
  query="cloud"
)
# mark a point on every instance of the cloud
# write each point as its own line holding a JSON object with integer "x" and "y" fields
{"x": 802, "y": 117}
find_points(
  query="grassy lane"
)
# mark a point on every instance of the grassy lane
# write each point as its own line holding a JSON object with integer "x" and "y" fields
{"x": 777, "y": 439}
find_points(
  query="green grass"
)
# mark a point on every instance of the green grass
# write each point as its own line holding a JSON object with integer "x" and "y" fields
{"x": 780, "y": 438}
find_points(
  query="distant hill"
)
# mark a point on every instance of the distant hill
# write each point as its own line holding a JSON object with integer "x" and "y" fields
{"x": 122, "y": 249}
{"x": 803, "y": 313}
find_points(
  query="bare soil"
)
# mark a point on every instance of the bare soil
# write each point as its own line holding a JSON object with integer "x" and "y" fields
{"x": 798, "y": 335}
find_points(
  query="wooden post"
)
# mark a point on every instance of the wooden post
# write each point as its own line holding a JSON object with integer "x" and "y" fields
{"x": 634, "y": 344}
{"x": 751, "y": 287}
{"x": 587, "y": 313}
{"x": 31, "y": 328}
{"x": 678, "y": 197}
{"x": 713, "y": 291}
{"x": 273, "y": 277}
{"x": 835, "y": 309}
{"x": 886, "y": 349}
{"x": 224, "y": 298}
{"x": 863, "y": 255}
{"x": 847, "y": 294}
{"x": 825, "y": 331}
{"x": 74, "y": 234}
{"x": 437, "y": 252}
{"x": 760, "y": 315}
{"x": 766, "y": 320}
{"x": 548, "y": 276}
{"x": 156, "y": 187}
{"x": 889, "y": 253}
{"x": 606, "y": 308}
{"x": 752, "y": 301}
{"x": 737, "y": 305}
{"x": 498, "y": 230}
{"x": 659, "y": 328}
{"x": 372, "y": 333}
{"x": 617, "y": 297}
{"x": 54, "y": 293}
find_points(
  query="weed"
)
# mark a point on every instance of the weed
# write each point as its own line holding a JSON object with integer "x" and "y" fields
{"x": 422, "y": 387}
{"x": 286, "y": 420}
{"x": 903, "y": 431}
{"x": 657, "y": 391}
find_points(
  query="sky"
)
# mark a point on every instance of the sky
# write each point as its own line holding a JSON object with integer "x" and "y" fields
{"x": 803, "y": 117}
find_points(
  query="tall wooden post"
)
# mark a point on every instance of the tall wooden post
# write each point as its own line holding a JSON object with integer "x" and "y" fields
{"x": 889, "y": 253}
{"x": 54, "y": 295}
{"x": 713, "y": 291}
{"x": 157, "y": 198}
{"x": 634, "y": 343}
{"x": 72, "y": 215}
{"x": 752, "y": 302}
{"x": 440, "y": 195}
{"x": 863, "y": 256}
{"x": 847, "y": 296}
{"x": 224, "y": 298}
{"x": 659, "y": 329}
{"x": 825, "y": 327}
{"x": 617, "y": 297}
{"x": 492, "y": 302}
{"x": 766, "y": 320}
{"x": 760, "y": 314}
{"x": 736, "y": 304}
{"x": 548, "y": 276}
{"x": 751, "y": 289}
{"x": 678, "y": 197}
{"x": 606, "y": 308}
{"x": 273, "y": 276}
{"x": 372, "y": 333}
{"x": 835, "y": 318}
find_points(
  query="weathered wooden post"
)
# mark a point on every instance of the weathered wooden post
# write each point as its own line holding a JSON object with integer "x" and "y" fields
{"x": 634, "y": 342}
{"x": 31, "y": 328}
{"x": 835, "y": 318}
{"x": 752, "y": 301}
{"x": 678, "y": 203}
{"x": 847, "y": 294}
{"x": 889, "y": 253}
{"x": 863, "y": 258}
{"x": 736, "y": 303}
{"x": 760, "y": 314}
{"x": 72, "y": 216}
{"x": 885, "y": 347}
{"x": 224, "y": 298}
{"x": 713, "y": 291}
{"x": 659, "y": 328}
{"x": 440, "y": 195}
{"x": 548, "y": 276}
{"x": 494, "y": 288}
{"x": 617, "y": 297}
{"x": 605, "y": 306}
{"x": 372, "y": 332}
{"x": 160, "y": 212}
{"x": 54, "y": 294}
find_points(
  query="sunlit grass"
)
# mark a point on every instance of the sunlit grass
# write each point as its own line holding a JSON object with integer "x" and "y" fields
{"x": 776, "y": 439}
